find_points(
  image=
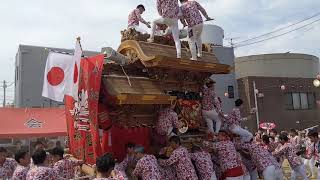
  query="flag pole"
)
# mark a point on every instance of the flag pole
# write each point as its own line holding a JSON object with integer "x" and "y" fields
{"x": 79, "y": 40}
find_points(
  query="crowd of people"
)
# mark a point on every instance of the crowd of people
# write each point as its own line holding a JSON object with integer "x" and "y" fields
{"x": 225, "y": 156}
{"x": 43, "y": 164}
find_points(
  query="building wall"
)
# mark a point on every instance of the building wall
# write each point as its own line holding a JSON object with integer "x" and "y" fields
{"x": 278, "y": 65}
{"x": 29, "y": 73}
{"x": 225, "y": 55}
{"x": 273, "y": 106}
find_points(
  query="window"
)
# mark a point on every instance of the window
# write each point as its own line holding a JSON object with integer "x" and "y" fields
{"x": 296, "y": 101}
{"x": 231, "y": 92}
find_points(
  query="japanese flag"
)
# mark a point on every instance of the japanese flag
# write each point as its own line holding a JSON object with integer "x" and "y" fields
{"x": 58, "y": 73}
{"x": 61, "y": 75}
{"x": 73, "y": 84}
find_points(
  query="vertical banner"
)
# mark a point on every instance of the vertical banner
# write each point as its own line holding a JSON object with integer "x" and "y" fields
{"x": 82, "y": 115}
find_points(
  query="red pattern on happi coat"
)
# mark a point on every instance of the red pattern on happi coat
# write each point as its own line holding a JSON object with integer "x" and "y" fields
{"x": 65, "y": 168}
{"x": 248, "y": 163}
{"x": 20, "y": 173}
{"x": 312, "y": 150}
{"x": 288, "y": 151}
{"x": 41, "y": 173}
{"x": 168, "y": 173}
{"x": 260, "y": 156}
{"x": 210, "y": 101}
{"x": 167, "y": 119}
{"x": 273, "y": 146}
{"x": 226, "y": 153}
{"x": 147, "y": 168}
{"x": 168, "y": 8}
{"x": 191, "y": 13}
{"x": 234, "y": 118}
{"x": 8, "y": 167}
{"x": 243, "y": 166}
{"x": 128, "y": 161}
{"x": 203, "y": 163}
{"x": 181, "y": 161}
{"x": 134, "y": 18}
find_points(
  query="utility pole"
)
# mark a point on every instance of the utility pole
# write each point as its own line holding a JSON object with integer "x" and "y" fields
{"x": 4, "y": 93}
{"x": 256, "y": 103}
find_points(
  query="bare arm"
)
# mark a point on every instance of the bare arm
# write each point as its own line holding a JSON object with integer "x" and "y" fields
{"x": 140, "y": 18}
{"x": 203, "y": 11}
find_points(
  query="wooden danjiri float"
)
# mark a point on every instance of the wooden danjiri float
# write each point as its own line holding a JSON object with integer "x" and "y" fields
{"x": 138, "y": 80}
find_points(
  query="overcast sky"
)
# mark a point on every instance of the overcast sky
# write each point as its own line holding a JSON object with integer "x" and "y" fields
{"x": 56, "y": 23}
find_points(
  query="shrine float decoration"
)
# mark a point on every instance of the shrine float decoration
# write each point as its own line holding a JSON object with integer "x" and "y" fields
{"x": 122, "y": 93}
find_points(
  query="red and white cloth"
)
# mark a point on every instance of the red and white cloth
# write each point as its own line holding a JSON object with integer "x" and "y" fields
{"x": 41, "y": 173}
{"x": 168, "y": 173}
{"x": 61, "y": 76}
{"x": 168, "y": 119}
{"x": 181, "y": 161}
{"x": 147, "y": 168}
{"x": 7, "y": 168}
{"x": 289, "y": 152}
{"x": 226, "y": 153}
{"x": 294, "y": 140}
{"x": 203, "y": 163}
{"x": 191, "y": 13}
{"x": 234, "y": 118}
{"x": 65, "y": 168}
{"x": 273, "y": 146}
{"x": 134, "y": 18}
{"x": 20, "y": 173}
{"x": 209, "y": 100}
{"x": 260, "y": 156}
{"x": 122, "y": 167}
{"x": 243, "y": 166}
{"x": 313, "y": 151}
{"x": 248, "y": 163}
{"x": 168, "y": 8}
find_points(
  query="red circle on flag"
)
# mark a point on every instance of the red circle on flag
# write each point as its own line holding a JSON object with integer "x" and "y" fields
{"x": 75, "y": 73}
{"x": 55, "y": 76}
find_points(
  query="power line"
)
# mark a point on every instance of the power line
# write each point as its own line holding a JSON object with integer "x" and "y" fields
{"x": 257, "y": 37}
{"x": 278, "y": 35}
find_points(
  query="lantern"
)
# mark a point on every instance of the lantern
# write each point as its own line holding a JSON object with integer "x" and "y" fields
{"x": 316, "y": 83}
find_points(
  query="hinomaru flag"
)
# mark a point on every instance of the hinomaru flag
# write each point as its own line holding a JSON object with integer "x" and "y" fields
{"x": 73, "y": 84}
{"x": 58, "y": 73}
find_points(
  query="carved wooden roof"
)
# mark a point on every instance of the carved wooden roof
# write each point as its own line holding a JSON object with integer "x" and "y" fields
{"x": 164, "y": 56}
{"x": 142, "y": 90}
